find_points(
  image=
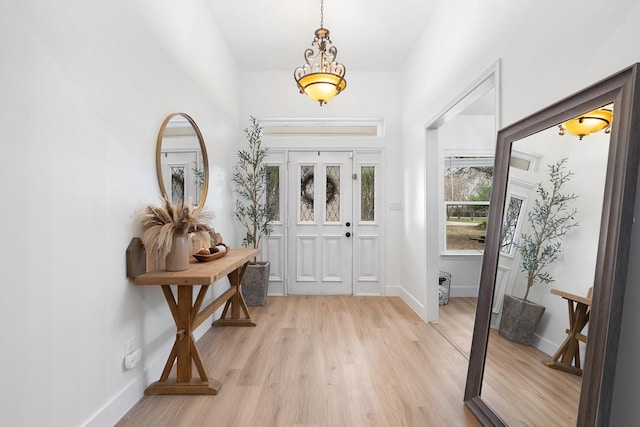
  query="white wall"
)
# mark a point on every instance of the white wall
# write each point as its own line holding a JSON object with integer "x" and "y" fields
{"x": 549, "y": 50}
{"x": 85, "y": 88}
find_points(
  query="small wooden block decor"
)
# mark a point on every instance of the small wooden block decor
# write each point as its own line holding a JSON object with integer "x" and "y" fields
{"x": 136, "y": 258}
{"x": 217, "y": 239}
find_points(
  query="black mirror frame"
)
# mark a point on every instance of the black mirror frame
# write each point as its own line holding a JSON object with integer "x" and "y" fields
{"x": 203, "y": 148}
{"x": 621, "y": 89}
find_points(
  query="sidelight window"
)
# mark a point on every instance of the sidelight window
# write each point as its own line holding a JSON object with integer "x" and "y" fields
{"x": 273, "y": 192}
{"x": 367, "y": 193}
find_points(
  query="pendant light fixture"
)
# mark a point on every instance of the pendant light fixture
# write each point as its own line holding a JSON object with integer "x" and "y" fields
{"x": 591, "y": 122}
{"x": 321, "y": 77}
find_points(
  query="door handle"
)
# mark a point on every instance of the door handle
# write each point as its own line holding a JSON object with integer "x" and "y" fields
{"x": 348, "y": 224}
{"x": 348, "y": 234}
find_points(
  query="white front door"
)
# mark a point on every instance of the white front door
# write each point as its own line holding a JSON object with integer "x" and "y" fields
{"x": 320, "y": 210}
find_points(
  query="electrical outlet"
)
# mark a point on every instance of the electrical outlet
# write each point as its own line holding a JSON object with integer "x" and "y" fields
{"x": 129, "y": 346}
{"x": 132, "y": 359}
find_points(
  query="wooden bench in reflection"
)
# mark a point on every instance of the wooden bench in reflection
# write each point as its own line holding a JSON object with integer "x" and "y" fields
{"x": 567, "y": 358}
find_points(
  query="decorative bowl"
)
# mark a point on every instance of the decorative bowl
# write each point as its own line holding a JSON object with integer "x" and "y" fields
{"x": 211, "y": 257}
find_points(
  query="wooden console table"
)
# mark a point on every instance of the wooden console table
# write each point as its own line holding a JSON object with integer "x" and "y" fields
{"x": 567, "y": 358}
{"x": 188, "y": 315}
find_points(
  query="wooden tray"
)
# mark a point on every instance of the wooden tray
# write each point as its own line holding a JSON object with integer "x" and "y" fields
{"x": 207, "y": 258}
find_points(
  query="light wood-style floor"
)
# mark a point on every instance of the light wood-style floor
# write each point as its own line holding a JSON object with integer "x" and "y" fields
{"x": 323, "y": 361}
{"x": 331, "y": 361}
{"x": 523, "y": 390}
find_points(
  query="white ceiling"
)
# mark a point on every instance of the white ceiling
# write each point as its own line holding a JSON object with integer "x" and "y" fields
{"x": 371, "y": 35}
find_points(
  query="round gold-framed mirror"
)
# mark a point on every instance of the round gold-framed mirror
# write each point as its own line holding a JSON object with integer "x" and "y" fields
{"x": 182, "y": 163}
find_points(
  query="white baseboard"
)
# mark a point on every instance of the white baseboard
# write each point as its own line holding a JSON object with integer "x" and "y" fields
{"x": 551, "y": 348}
{"x": 415, "y": 305}
{"x": 276, "y": 288}
{"x": 120, "y": 403}
{"x": 544, "y": 344}
{"x": 117, "y": 406}
{"x": 463, "y": 291}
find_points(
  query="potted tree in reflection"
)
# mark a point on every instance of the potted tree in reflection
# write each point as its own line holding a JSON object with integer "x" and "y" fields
{"x": 551, "y": 218}
{"x": 252, "y": 210}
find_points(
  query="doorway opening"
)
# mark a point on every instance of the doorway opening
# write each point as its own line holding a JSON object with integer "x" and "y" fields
{"x": 466, "y": 129}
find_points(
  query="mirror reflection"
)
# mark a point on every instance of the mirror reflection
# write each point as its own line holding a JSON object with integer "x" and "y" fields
{"x": 545, "y": 276}
{"x": 181, "y": 161}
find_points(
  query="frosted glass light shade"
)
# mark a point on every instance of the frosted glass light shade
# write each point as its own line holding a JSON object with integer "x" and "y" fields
{"x": 589, "y": 123}
{"x": 321, "y": 87}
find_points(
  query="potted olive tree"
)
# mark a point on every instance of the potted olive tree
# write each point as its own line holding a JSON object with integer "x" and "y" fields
{"x": 550, "y": 219}
{"x": 252, "y": 211}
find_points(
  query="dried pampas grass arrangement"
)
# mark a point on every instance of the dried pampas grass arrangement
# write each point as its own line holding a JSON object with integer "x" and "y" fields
{"x": 161, "y": 223}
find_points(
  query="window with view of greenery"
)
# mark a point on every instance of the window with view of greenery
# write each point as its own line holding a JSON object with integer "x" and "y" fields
{"x": 467, "y": 188}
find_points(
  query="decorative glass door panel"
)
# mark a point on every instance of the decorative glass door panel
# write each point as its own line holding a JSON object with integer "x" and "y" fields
{"x": 307, "y": 194}
{"x": 332, "y": 194}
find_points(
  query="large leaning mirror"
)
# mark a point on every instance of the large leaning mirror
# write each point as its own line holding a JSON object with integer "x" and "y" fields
{"x": 562, "y": 373}
{"x": 181, "y": 161}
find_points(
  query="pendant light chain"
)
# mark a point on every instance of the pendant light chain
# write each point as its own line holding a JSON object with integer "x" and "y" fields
{"x": 321, "y": 13}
